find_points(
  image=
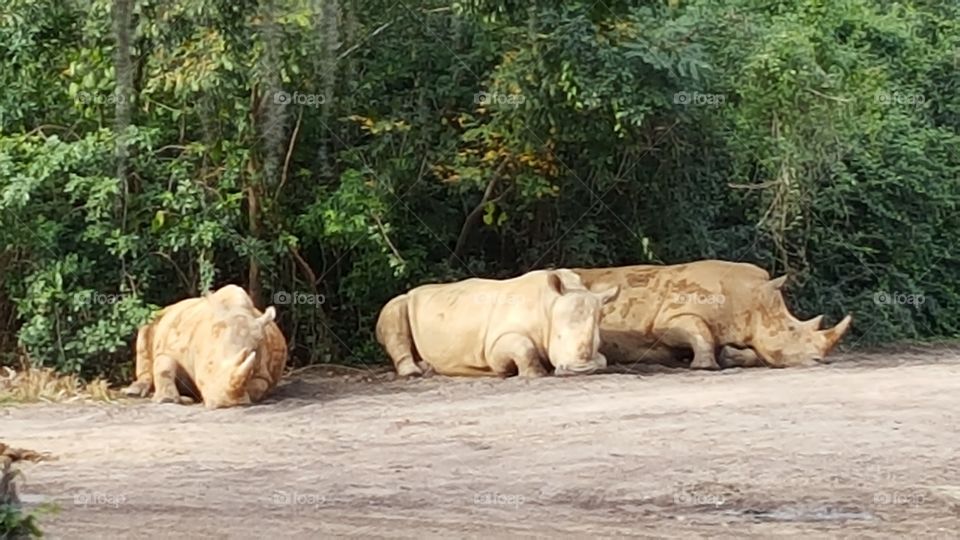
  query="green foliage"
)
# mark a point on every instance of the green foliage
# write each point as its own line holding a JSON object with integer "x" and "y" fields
{"x": 16, "y": 525}
{"x": 356, "y": 149}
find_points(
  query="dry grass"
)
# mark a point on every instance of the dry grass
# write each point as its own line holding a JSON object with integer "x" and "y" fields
{"x": 46, "y": 385}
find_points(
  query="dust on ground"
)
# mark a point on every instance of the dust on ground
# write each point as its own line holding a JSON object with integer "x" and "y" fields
{"x": 866, "y": 448}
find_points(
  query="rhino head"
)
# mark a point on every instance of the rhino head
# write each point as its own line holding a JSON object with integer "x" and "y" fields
{"x": 230, "y": 356}
{"x": 782, "y": 340}
{"x": 573, "y": 343}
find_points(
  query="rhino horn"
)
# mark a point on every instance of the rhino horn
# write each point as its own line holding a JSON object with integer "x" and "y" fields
{"x": 834, "y": 334}
{"x": 777, "y": 283}
{"x": 814, "y": 323}
{"x": 246, "y": 366}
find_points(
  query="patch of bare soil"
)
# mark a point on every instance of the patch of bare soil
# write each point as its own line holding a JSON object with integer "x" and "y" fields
{"x": 864, "y": 448}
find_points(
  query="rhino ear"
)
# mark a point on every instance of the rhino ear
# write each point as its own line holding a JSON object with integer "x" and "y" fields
{"x": 555, "y": 282}
{"x": 777, "y": 284}
{"x": 268, "y": 316}
{"x": 608, "y": 295}
{"x": 834, "y": 334}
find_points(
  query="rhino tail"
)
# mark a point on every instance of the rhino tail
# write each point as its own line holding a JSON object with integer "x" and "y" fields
{"x": 395, "y": 336}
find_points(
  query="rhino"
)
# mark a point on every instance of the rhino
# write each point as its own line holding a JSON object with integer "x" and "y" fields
{"x": 218, "y": 348}
{"x": 664, "y": 313}
{"x": 485, "y": 327}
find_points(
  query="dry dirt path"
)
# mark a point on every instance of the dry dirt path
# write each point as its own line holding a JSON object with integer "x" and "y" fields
{"x": 864, "y": 448}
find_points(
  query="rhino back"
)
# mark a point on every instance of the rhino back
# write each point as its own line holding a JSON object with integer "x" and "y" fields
{"x": 732, "y": 297}
{"x": 721, "y": 293}
{"x": 640, "y": 299}
{"x": 455, "y": 324}
{"x": 174, "y": 331}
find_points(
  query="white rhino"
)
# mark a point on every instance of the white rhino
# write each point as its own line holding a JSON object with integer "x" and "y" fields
{"x": 218, "y": 347}
{"x": 701, "y": 307}
{"x": 486, "y": 327}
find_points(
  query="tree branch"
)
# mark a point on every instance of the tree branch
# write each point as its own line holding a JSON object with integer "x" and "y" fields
{"x": 470, "y": 222}
{"x": 825, "y": 96}
{"x": 286, "y": 161}
{"x": 345, "y": 53}
{"x": 183, "y": 277}
{"x": 304, "y": 267}
{"x": 383, "y": 232}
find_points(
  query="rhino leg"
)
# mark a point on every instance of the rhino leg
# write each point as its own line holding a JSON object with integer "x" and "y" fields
{"x": 138, "y": 388}
{"x": 165, "y": 378}
{"x": 515, "y": 353}
{"x": 144, "y": 367}
{"x": 393, "y": 333}
{"x": 731, "y": 356}
{"x": 689, "y": 331}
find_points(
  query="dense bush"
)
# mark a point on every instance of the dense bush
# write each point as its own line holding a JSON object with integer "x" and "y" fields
{"x": 349, "y": 150}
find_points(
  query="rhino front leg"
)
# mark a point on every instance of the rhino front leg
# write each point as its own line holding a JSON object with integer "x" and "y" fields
{"x": 515, "y": 353}
{"x": 689, "y": 331}
{"x": 731, "y": 356}
{"x": 165, "y": 379}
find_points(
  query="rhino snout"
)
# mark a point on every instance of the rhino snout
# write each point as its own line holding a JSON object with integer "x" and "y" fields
{"x": 582, "y": 369}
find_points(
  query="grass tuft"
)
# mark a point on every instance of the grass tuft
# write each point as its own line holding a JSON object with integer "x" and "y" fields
{"x": 46, "y": 385}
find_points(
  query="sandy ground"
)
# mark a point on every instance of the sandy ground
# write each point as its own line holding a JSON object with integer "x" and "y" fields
{"x": 864, "y": 448}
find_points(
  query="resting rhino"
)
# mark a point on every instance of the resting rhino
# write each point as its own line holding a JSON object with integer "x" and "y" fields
{"x": 486, "y": 327}
{"x": 218, "y": 347}
{"x": 665, "y": 311}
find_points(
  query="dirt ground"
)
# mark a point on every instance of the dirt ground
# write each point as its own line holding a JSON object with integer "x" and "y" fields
{"x": 864, "y": 448}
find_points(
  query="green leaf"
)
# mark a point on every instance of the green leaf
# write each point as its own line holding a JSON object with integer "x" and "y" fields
{"x": 158, "y": 220}
{"x": 489, "y": 210}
